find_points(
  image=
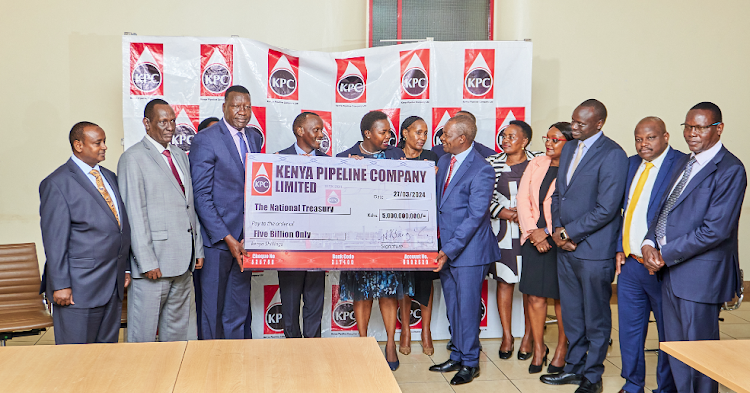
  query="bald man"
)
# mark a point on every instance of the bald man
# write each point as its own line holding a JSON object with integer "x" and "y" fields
{"x": 638, "y": 291}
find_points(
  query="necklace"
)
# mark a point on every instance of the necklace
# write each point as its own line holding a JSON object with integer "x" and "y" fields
{"x": 368, "y": 152}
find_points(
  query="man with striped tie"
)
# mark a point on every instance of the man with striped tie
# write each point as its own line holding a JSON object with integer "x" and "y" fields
{"x": 86, "y": 237}
{"x": 693, "y": 242}
{"x": 638, "y": 292}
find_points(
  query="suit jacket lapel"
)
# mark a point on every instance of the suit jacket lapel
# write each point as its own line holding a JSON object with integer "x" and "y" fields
{"x": 587, "y": 157}
{"x": 84, "y": 181}
{"x": 251, "y": 141}
{"x": 632, "y": 169}
{"x": 457, "y": 175}
{"x": 159, "y": 161}
{"x": 662, "y": 179}
{"x": 562, "y": 172}
{"x": 700, "y": 176}
{"x": 226, "y": 136}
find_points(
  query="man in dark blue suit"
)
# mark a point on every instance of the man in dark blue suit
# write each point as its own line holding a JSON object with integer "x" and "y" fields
{"x": 586, "y": 216}
{"x": 638, "y": 290}
{"x": 693, "y": 242}
{"x": 465, "y": 182}
{"x": 217, "y": 165}
{"x": 86, "y": 237}
{"x": 293, "y": 284}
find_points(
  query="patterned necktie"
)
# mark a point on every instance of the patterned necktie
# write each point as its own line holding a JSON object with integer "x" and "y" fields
{"x": 450, "y": 171}
{"x": 105, "y": 194}
{"x": 631, "y": 208}
{"x": 661, "y": 225}
{"x": 174, "y": 169}
{"x": 576, "y": 160}
{"x": 243, "y": 147}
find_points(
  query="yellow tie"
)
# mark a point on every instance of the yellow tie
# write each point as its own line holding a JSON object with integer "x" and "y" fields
{"x": 576, "y": 160}
{"x": 631, "y": 208}
{"x": 105, "y": 194}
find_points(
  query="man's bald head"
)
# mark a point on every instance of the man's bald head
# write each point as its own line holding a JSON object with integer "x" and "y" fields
{"x": 651, "y": 138}
{"x": 465, "y": 125}
{"x": 458, "y": 134}
{"x": 599, "y": 109}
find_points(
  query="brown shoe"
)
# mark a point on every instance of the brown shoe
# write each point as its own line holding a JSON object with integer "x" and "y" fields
{"x": 404, "y": 343}
{"x": 427, "y": 347}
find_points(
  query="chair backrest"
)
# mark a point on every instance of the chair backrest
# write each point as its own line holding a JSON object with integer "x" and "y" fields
{"x": 19, "y": 278}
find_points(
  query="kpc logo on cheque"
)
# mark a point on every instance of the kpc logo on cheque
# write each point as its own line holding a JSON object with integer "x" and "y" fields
{"x": 262, "y": 178}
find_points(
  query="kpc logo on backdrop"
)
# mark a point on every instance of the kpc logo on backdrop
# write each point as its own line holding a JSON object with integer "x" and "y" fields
{"x": 283, "y": 76}
{"x": 440, "y": 116}
{"x": 351, "y": 81}
{"x": 146, "y": 69}
{"x": 262, "y": 177}
{"x": 415, "y": 74}
{"x": 326, "y": 145}
{"x": 479, "y": 74}
{"x": 187, "y": 120}
{"x": 342, "y": 314}
{"x": 394, "y": 115}
{"x": 273, "y": 324}
{"x": 258, "y": 123}
{"x": 503, "y": 117}
{"x": 216, "y": 69}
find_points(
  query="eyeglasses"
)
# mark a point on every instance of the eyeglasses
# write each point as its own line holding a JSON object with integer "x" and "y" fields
{"x": 700, "y": 129}
{"x": 553, "y": 140}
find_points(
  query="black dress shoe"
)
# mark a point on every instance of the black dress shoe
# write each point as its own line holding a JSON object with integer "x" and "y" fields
{"x": 554, "y": 369}
{"x": 506, "y": 354}
{"x": 465, "y": 375}
{"x": 562, "y": 379}
{"x": 448, "y": 365}
{"x": 589, "y": 387}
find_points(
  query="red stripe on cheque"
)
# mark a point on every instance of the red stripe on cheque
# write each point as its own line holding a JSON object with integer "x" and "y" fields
{"x": 327, "y": 260}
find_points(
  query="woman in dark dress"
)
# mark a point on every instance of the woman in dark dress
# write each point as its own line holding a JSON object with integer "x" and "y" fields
{"x": 539, "y": 279}
{"x": 509, "y": 166}
{"x": 413, "y": 137}
{"x": 362, "y": 287}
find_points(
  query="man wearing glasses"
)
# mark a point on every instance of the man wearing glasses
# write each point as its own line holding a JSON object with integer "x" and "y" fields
{"x": 693, "y": 243}
{"x": 217, "y": 164}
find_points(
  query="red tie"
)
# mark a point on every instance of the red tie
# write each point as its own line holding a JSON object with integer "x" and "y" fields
{"x": 174, "y": 169}
{"x": 450, "y": 171}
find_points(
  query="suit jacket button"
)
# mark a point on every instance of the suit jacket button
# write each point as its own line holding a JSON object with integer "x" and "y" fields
{"x": 190, "y": 229}
{"x": 563, "y": 198}
{"x": 187, "y": 207}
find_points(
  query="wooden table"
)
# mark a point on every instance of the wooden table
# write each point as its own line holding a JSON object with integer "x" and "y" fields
{"x": 147, "y": 367}
{"x": 725, "y": 361}
{"x": 286, "y": 365}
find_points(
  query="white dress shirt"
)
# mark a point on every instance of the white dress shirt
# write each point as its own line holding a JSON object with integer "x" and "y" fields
{"x": 586, "y": 146}
{"x": 701, "y": 159}
{"x": 639, "y": 222}
{"x": 460, "y": 157}
{"x": 160, "y": 149}
{"x": 86, "y": 168}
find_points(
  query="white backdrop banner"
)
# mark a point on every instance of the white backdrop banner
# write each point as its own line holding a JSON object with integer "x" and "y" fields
{"x": 433, "y": 80}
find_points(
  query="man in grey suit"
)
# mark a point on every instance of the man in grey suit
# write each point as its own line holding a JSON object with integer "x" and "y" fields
{"x": 156, "y": 186}
{"x": 86, "y": 239}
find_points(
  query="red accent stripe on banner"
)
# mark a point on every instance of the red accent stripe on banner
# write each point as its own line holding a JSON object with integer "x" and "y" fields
{"x": 491, "y": 21}
{"x": 369, "y": 25}
{"x": 340, "y": 260}
{"x": 398, "y": 20}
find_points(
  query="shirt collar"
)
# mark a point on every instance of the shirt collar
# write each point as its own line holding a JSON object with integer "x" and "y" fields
{"x": 302, "y": 152}
{"x": 591, "y": 140}
{"x": 658, "y": 160}
{"x": 231, "y": 129}
{"x": 460, "y": 157}
{"x": 86, "y": 168}
{"x": 706, "y": 156}
{"x": 156, "y": 144}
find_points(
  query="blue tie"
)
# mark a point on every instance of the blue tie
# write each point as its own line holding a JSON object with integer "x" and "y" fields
{"x": 243, "y": 148}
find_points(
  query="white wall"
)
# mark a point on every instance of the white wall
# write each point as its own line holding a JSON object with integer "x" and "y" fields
{"x": 61, "y": 63}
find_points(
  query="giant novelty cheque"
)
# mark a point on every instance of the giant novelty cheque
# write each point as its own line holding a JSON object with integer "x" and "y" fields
{"x": 307, "y": 213}
{"x": 432, "y": 79}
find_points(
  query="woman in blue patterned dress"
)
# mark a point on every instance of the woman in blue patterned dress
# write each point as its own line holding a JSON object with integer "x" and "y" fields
{"x": 362, "y": 287}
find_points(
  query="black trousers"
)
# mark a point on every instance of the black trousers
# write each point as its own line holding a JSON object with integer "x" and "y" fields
{"x": 309, "y": 287}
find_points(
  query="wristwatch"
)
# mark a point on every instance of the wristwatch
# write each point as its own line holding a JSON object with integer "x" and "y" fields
{"x": 546, "y": 231}
{"x": 564, "y": 235}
